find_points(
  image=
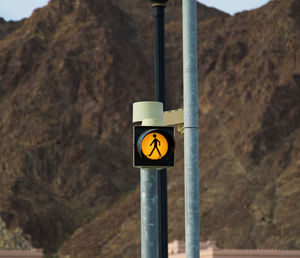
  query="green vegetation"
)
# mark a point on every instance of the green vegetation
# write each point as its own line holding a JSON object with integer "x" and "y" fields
{"x": 12, "y": 240}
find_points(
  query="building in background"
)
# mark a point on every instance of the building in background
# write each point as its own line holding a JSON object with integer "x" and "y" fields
{"x": 35, "y": 253}
{"x": 210, "y": 250}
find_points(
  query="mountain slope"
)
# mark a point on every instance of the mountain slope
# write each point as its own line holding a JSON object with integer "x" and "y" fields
{"x": 249, "y": 122}
{"x": 68, "y": 77}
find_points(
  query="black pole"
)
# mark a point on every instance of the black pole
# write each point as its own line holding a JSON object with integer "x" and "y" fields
{"x": 159, "y": 40}
{"x": 159, "y": 69}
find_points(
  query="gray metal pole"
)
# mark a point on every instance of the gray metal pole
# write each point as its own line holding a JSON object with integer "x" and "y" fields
{"x": 191, "y": 168}
{"x": 150, "y": 113}
{"x": 149, "y": 213}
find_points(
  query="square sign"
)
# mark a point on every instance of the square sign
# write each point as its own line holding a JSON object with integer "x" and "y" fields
{"x": 153, "y": 146}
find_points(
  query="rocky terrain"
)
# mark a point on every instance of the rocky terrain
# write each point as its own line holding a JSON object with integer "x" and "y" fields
{"x": 68, "y": 77}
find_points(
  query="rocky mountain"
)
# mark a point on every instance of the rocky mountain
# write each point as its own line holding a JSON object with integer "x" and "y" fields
{"x": 68, "y": 77}
{"x": 62, "y": 106}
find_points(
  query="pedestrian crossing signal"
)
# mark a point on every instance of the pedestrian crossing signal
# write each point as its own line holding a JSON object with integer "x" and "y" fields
{"x": 153, "y": 146}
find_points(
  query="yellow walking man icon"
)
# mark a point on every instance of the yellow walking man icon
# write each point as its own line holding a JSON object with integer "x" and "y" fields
{"x": 155, "y": 141}
{"x": 154, "y": 146}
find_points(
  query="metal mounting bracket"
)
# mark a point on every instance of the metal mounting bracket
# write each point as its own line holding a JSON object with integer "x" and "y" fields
{"x": 175, "y": 117}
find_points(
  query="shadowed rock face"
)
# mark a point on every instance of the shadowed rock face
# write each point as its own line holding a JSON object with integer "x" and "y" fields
{"x": 68, "y": 77}
{"x": 8, "y": 27}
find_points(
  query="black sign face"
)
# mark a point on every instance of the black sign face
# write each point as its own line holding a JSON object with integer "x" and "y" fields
{"x": 153, "y": 146}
